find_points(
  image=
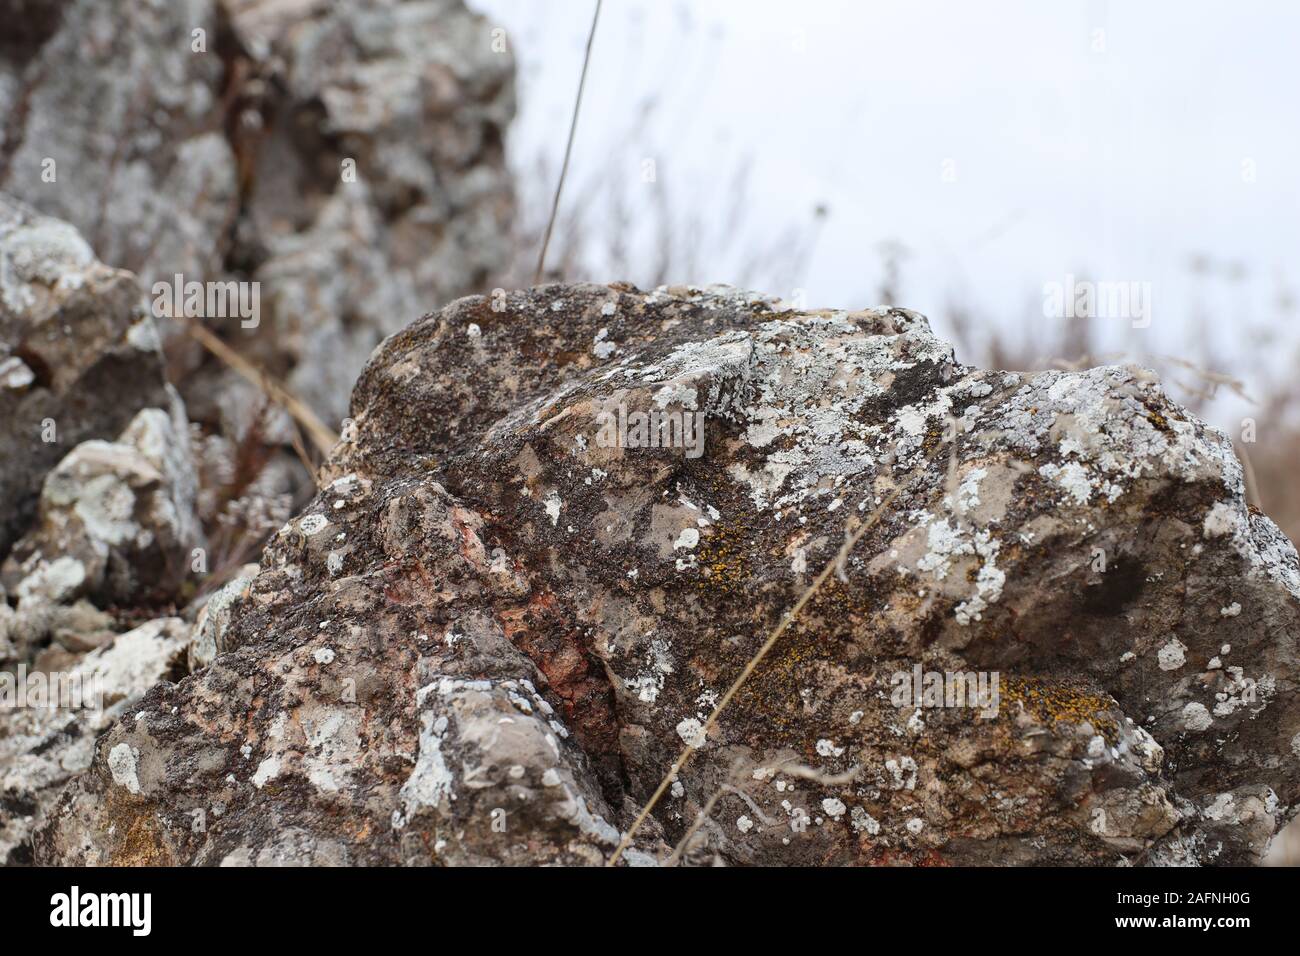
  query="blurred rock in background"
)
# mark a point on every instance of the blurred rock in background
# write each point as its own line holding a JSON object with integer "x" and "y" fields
{"x": 347, "y": 156}
{"x": 338, "y": 164}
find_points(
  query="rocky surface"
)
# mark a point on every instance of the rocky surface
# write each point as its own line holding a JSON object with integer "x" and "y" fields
{"x": 41, "y": 748}
{"x": 345, "y": 155}
{"x": 79, "y": 355}
{"x": 341, "y": 161}
{"x": 97, "y": 506}
{"x": 492, "y": 631}
{"x": 116, "y": 520}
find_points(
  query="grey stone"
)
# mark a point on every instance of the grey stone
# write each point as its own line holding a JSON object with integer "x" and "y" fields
{"x": 79, "y": 356}
{"x": 345, "y": 156}
{"x": 116, "y": 520}
{"x": 43, "y": 747}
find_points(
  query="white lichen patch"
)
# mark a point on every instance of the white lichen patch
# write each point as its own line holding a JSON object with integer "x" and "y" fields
{"x": 122, "y": 760}
{"x": 692, "y": 732}
{"x": 601, "y": 347}
{"x": 902, "y": 773}
{"x": 802, "y": 381}
{"x": 430, "y": 782}
{"x": 1196, "y": 717}
{"x": 54, "y": 581}
{"x": 947, "y": 543}
{"x": 968, "y": 492}
{"x": 1241, "y": 691}
{"x": 833, "y": 807}
{"x": 649, "y": 681}
{"x": 988, "y": 581}
{"x": 1222, "y": 808}
{"x": 314, "y": 524}
{"x": 552, "y": 504}
{"x": 1172, "y": 656}
{"x": 1150, "y": 755}
{"x": 863, "y": 822}
{"x": 266, "y": 771}
{"x": 688, "y": 539}
{"x": 1072, "y": 478}
{"x": 1222, "y": 519}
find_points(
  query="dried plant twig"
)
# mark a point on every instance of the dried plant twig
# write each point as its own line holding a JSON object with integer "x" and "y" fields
{"x": 321, "y": 435}
{"x": 568, "y": 149}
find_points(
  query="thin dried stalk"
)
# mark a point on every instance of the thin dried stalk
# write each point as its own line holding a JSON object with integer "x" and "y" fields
{"x": 1252, "y": 487}
{"x": 322, "y": 436}
{"x": 568, "y": 149}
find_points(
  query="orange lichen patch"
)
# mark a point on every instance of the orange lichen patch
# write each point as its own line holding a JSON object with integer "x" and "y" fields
{"x": 1157, "y": 413}
{"x": 934, "y": 436}
{"x": 725, "y": 557}
{"x": 770, "y": 703}
{"x": 1054, "y": 702}
{"x": 142, "y": 843}
{"x": 1159, "y": 421}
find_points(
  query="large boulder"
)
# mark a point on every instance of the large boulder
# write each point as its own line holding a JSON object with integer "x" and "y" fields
{"x": 494, "y": 629}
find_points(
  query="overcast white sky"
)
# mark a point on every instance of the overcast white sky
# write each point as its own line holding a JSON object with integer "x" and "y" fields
{"x": 1112, "y": 139}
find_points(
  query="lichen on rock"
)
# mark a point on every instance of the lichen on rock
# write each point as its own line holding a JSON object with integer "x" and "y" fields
{"x": 116, "y": 520}
{"x": 492, "y": 631}
{"x": 79, "y": 356}
{"x": 44, "y": 747}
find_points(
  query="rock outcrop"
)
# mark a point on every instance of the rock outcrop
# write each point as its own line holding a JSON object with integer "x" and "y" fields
{"x": 347, "y": 156}
{"x": 509, "y": 609}
{"x": 331, "y": 164}
{"x": 116, "y": 521}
